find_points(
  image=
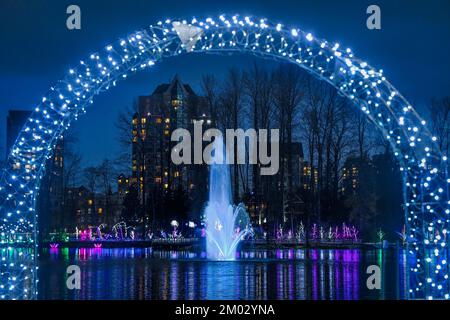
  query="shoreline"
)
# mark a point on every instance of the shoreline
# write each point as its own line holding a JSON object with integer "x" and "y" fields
{"x": 197, "y": 243}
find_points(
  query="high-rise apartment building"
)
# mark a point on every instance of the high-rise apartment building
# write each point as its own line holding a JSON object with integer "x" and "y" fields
{"x": 158, "y": 180}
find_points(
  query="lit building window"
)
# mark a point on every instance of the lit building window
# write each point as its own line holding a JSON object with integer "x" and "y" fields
{"x": 158, "y": 120}
{"x": 143, "y": 120}
{"x": 176, "y": 103}
{"x": 100, "y": 210}
{"x": 90, "y": 202}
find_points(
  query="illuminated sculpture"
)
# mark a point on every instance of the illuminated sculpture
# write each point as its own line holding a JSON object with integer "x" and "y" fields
{"x": 424, "y": 168}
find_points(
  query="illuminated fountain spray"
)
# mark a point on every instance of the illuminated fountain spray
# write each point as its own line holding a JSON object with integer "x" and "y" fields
{"x": 226, "y": 224}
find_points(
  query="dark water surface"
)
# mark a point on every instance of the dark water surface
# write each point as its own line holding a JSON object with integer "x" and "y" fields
{"x": 143, "y": 273}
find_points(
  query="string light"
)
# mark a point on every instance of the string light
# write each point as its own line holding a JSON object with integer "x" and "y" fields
{"x": 426, "y": 183}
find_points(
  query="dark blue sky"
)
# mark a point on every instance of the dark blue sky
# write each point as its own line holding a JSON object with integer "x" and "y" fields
{"x": 413, "y": 48}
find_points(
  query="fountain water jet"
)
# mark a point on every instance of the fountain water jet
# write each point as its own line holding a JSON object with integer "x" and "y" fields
{"x": 226, "y": 224}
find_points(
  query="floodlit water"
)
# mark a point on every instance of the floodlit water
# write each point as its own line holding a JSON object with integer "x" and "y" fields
{"x": 136, "y": 273}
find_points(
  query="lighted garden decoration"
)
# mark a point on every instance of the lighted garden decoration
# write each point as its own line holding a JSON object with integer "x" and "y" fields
{"x": 424, "y": 167}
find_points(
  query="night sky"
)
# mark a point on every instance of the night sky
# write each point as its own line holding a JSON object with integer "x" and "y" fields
{"x": 413, "y": 48}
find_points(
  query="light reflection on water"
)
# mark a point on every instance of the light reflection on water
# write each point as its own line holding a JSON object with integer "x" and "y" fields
{"x": 135, "y": 273}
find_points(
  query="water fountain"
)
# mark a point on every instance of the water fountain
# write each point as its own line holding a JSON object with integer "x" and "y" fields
{"x": 226, "y": 224}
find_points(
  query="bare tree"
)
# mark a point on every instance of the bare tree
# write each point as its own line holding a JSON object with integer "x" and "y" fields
{"x": 231, "y": 101}
{"x": 259, "y": 90}
{"x": 288, "y": 93}
{"x": 319, "y": 116}
{"x": 91, "y": 178}
{"x": 107, "y": 174}
{"x": 360, "y": 129}
{"x": 210, "y": 89}
{"x": 72, "y": 161}
{"x": 440, "y": 122}
{"x": 124, "y": 129}
{"x": 341, "y": 142}
{"x": 71, "y": 174}
{"x": 99, "y": 180}
{"x": 327, "y": 127}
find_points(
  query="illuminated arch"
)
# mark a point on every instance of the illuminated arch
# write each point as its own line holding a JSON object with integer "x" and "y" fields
{"x": 423, "y": 166}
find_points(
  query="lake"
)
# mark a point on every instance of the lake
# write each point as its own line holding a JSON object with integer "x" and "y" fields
{"x": 144, "y": 273}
